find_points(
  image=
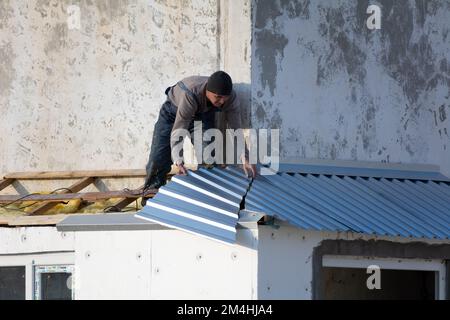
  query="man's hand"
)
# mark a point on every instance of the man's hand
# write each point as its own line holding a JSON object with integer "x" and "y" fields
{"x": 181, "y": 168}
{"x": 248, "y": 168}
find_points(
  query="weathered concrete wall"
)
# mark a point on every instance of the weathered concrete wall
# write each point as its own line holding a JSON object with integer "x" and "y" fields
{"x": 235, "y": 49}
{"x": 338, "y": 90}
{"x": 87, "y": 98}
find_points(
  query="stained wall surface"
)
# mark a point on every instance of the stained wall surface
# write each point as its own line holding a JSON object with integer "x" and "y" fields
{"x": 338, "y": 90}
{"x": 81, "y": 82}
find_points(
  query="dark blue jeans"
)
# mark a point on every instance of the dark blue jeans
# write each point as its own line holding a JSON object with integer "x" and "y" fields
{"x": 160, "y": 159}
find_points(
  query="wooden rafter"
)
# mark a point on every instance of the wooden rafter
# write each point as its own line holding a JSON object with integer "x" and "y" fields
{"x": 78, "y": 186}
{"x": 54, "y": 175}
{"x": 86, "y": 178}
{"x": 88, "y": 196}
{"x": 5, "y": 183}
{"x": 122, "y": 203}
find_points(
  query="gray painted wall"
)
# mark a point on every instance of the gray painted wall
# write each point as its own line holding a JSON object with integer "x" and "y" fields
{"x": 88, "y": 99}
{"x": 338, "y": 90}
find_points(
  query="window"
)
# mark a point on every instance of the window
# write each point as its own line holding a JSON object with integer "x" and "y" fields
{"x": 12, "y": 283}
{"x": 53, "y": 283}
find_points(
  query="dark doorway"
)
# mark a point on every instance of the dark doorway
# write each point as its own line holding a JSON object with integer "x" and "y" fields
{"x": 351, "y": 284}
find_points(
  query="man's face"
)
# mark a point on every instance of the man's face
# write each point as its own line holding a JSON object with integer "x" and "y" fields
{"x": 216, "y": 100}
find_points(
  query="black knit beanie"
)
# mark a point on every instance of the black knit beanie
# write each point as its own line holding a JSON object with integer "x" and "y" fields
{"x": 220, "y": 83}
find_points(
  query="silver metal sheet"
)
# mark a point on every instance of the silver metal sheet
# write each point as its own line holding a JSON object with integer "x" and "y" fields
{"x": 206, "y": 202}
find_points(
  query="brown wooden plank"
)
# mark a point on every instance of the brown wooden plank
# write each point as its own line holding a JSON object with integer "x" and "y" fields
{"x": 124, "y": 202}
{"x": 77, "y": 186}
{"x": 88, "y": 196}
{"x": 5, "y": 182}
{"x": 49, "y": 175}
{"x": 76, "y": 174}
{"x": 117, "y": 207}
{"x": 49, "y": 220}
{"x": 4, "y": 221}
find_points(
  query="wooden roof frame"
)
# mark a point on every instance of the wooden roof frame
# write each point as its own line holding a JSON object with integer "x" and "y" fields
{"x": 86, "y": 178}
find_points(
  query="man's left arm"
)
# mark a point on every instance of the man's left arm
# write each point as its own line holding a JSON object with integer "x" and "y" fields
{"x": 233, "y": 118}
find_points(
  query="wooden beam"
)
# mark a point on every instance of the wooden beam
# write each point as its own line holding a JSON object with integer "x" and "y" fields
{"x": 120, "y": 205}
{"x": 54, "y": 175}
{"x": 88, "y": 196}
{"x": 5, "y": 182}
{"x": 76, "y": 174}
{"x": 78, "y": 186}
{"x": 123, "y": 203}
{"x": 50, "y": 220}
{"x": 4, "y": 221}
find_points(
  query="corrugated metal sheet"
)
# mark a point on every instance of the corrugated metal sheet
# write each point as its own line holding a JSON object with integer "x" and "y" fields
{"x": 205, "y": 202}
{"x": 394, "y": 207}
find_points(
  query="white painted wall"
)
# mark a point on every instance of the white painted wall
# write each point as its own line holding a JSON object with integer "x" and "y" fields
{"x": 112, "y": 265}
{"x": 35, "y": 240}
{"x": 186, "y": 266}
{"x": 163, "y": 264}
{"x": 285, "y": 263}
{"x": 156, "y": 264}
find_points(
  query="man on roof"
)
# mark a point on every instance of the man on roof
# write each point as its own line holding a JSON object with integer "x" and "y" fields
{"x": 194, "y": 98}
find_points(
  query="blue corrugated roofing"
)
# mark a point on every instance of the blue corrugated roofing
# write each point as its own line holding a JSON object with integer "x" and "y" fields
{"x": 205, "y": 202}
{"x": 394, "y": 207}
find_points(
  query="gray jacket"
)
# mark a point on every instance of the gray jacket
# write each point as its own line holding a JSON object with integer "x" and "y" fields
{"x": 188, "y": 106}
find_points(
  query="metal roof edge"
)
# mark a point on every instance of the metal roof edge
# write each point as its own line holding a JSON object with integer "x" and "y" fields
{"x": 107, "y": 222}
{"x": 126, "y": 222}
{"x": 277, "y": 223}
{"x": 363, "y": 169}
{"x": 362, "y": 164}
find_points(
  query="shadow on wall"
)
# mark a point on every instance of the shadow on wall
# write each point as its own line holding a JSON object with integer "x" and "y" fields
{"x": 243, "y": 92}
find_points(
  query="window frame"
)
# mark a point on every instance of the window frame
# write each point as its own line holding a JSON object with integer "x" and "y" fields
{"x": 45, "y": 269}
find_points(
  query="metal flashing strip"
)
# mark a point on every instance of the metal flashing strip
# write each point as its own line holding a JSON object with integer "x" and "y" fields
{"x": 377, "y": 170}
